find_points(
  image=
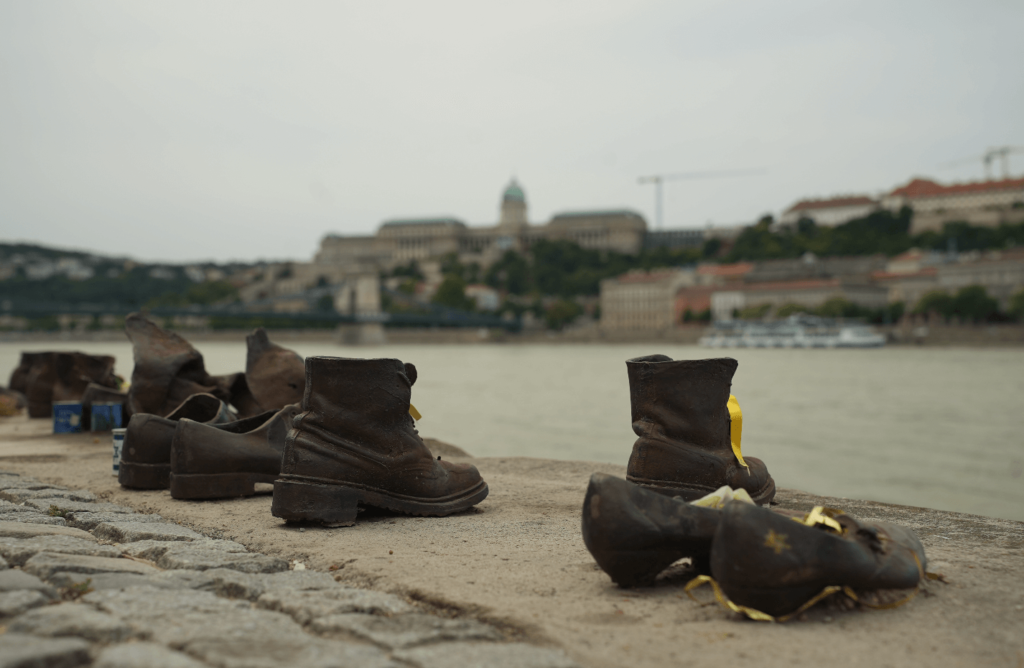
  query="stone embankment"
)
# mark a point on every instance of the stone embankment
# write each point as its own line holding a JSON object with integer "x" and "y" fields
{"x": 86, "y": 582}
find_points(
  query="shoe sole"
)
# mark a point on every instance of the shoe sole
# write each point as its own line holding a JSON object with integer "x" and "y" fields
{"x": 144, "y": 476}
{"x": 305, "y": 500}
{"x": 686, "y": 492}
{"x": 216, "y": 485}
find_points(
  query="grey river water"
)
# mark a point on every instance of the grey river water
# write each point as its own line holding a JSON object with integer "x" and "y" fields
{"x": 935, "y": 427}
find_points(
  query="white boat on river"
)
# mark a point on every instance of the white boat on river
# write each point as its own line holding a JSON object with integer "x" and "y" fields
{"x": 796, "y": 331}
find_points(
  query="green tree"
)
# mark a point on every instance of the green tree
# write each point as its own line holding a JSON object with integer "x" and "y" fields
{"x": 410, "y": 270}
{"x": 754, "y": 312}
{"x": 840, "y": 307}
{"x": 452, "y": 293}
{"x": 561, "y": 313}
{"x": 325, "y": 303}
{"x": 791, "y": 308}
{"x": 1017, "y": 305}
{"x": 974, "y": 304}
{"x": 935, "y": 301}
{"x": 511, "y": 273}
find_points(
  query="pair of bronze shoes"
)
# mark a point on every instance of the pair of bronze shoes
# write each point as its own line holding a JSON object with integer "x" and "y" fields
{"x": 46, "y": 377}
{"x": 201, "y": 451}
{"x": 765, "y": 560}
{"x": 768, "y": 562}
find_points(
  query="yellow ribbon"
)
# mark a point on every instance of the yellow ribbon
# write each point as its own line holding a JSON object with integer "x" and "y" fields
{"x": 414, "y": 413}
{"x": 822, "y": 515}
{"x": 736, "y": 429}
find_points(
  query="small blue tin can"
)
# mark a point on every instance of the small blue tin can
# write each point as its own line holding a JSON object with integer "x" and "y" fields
{"x": 118, "y": 447}
{"x": 105, "y": 416}
{"x": 67, "y": 417}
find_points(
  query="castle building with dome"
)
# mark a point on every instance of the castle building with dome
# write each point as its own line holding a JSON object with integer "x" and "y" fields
{"x": 399, "y": 241}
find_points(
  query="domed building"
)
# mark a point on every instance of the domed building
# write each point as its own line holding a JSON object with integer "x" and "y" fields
{"x": 398, "y": 241}
{"x": 513, "y": 207}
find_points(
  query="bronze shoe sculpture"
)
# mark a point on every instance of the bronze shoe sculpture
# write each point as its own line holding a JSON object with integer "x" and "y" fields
{"x": 765, "y": 561}
{"x": 168, "y": 370}
{"x": 146, "y": 456}
{"x": 39, "y": 381}
{"x": 76, "y": 371}
{"x": 19, "y": 377}
{"x": 634, "y": 533}
{"x": 60, "y": 376}
{"x": 276, "y": 376}
{"x": 235, "y": 387}
{"x": 355, "y": 444}
{"x": 209, "y": 463}
{"x": 680, "y": 413}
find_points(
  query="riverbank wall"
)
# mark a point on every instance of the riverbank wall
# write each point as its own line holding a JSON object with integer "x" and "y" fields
{"x": 517, "y": 564}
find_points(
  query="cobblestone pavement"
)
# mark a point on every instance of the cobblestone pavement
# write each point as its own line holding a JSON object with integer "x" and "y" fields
{"x": 84, "y": 582}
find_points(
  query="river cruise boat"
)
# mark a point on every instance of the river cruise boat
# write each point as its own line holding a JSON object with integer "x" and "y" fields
{"x": 796, "y": 331}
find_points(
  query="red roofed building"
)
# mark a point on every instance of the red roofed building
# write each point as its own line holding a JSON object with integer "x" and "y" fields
{"x": 987, "y": 203}
{"x": 723, "y": 274}
{"x": 833, "y": 211}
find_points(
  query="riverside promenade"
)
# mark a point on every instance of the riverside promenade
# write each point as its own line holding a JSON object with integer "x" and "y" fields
{"x": 509, "y": 583}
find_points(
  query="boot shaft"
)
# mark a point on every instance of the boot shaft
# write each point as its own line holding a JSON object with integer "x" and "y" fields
{"x": 684, "y": 401}
{"x": 364, "y": 400}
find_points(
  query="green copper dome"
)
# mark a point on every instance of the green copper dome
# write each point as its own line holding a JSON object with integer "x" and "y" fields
{"x": 514, "y": 193}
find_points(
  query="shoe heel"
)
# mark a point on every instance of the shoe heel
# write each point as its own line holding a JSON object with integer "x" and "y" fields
{"x": 296, "y": 501}
{"x": 143, "y": 476}
{"x": 212, "y": 485}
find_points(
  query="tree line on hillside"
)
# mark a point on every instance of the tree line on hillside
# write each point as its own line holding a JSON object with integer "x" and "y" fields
{"x": 884, "y": 232}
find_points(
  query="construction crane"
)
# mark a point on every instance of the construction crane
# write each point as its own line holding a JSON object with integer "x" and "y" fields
{"x": 658, "y": 179}
{"x": 988, "y": 157}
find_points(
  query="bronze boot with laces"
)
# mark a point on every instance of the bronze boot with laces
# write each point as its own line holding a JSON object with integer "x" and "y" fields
{"x": 681, "y": 412}
{"x": 355, "y": 444}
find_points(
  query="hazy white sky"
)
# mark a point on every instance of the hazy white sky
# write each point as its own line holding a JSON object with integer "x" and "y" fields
{"x": 242, "y": 130}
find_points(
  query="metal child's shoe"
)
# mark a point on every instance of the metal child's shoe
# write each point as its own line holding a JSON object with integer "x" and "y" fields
{"x": 212, "y": 463}
{"x": 681, "y": 413}
{"x": 356, "y": 445}
{"x": 634, "y": 534}
{"x": 146, "y": 456}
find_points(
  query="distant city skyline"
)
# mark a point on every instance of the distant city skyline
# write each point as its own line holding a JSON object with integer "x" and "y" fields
{"x": 186, "y": 131}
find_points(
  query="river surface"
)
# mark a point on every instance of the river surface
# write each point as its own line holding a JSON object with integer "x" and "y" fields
{"x": 935, "y": 427}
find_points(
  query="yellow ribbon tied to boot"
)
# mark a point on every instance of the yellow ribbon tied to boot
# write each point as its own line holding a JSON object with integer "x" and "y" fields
{"x": 736, "y": 429}
{"x": 414, "y": 413}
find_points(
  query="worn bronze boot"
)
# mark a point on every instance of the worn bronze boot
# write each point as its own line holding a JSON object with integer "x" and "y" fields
{"x": 76, "y": 371}
{"x": 356, "y": 444}
{"x": 19, "y": 377}
{"x": 680, "y": 412}
{"x": 276, "y": 375}
{"x": 168, "y": 370}
{"x": 39, "y": 381}
{"x": 634, "y": 533}
{"x": 146, "y": 455}
{"x": 236, "y": 389}
{"x": 766, "y": 561}
{"x": 209, "y": 463}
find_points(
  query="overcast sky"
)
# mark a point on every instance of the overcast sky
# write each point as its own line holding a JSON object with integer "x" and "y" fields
{"x": 241, "y": 130}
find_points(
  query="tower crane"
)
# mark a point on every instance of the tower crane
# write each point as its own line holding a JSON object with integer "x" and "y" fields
{"x": 659, "y": 179}
{"x": 989, "y": 156}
